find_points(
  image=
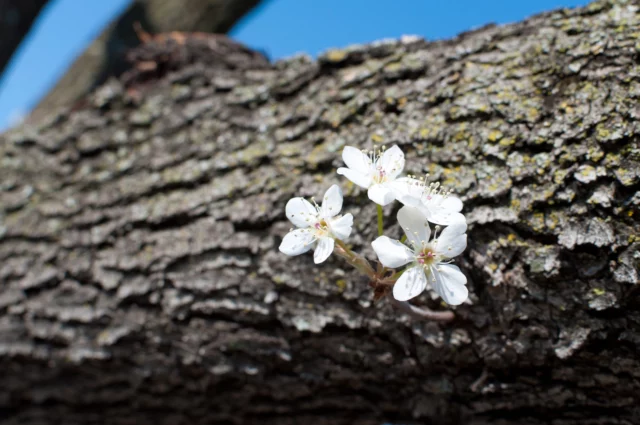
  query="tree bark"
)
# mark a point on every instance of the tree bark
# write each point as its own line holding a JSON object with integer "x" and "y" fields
{"x": 16, "y": 17}
{"x": 141, "y": 280}
{"x": 105, "y": 57}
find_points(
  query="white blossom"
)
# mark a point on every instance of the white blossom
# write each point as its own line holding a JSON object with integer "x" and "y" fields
{"x": 429, "y": 259}
{"x": 317, "y": 226}
{"x": 437, "y": 204}
{"x": 375, "y": 170}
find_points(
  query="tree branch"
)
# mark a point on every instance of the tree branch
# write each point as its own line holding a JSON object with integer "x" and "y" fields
{"x": 16, "y": 18}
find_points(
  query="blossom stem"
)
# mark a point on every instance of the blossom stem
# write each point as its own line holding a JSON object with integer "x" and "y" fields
{"x": 345, "y": 248}
{"x": 356, "y": 260}
{"x": 397, "y": 275}
{"x": 380, "y": 221}
{"x": 403, "y": 238}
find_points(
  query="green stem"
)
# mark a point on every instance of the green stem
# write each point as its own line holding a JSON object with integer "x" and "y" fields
{"x": 346, "y": 249}
{"x": 356, "y": 260}
{"x": 380, "y": 222}
{"x": 396, "y": 275}
{"x": 403, "y": 238}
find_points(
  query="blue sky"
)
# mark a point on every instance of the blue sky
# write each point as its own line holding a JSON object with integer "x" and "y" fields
{"x": 278, "y": 27}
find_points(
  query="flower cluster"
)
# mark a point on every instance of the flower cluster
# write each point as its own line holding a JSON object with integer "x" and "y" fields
{"x": 420, "y": 260}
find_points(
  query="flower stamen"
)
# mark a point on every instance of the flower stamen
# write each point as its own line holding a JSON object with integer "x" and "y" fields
{"x": 426, "y": 257}
{"x": 322, "y": 229}
{"x": 429, "y": 190}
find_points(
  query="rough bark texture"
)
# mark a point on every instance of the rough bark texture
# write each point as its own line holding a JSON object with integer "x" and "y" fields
{"x": 140, "y": 275}
{"x": 16, "y": 17}
{"x": 105, "y": 57}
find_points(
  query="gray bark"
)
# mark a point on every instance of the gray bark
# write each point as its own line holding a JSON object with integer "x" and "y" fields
{"x": 140, "y": 275}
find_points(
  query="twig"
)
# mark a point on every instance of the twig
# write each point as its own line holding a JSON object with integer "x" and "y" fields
{"x": 475, "y": 386}
{"x": 422, "y": 313}
{"x": 143, "y": 36}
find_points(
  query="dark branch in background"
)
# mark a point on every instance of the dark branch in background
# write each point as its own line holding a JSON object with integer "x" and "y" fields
{"x": 105, "y": 57}
{"x": 16, "y": 18}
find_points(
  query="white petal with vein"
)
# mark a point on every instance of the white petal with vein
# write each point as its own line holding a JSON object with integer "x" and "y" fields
{"x": 332, "y": 202}
{"x": 356, "y": 160}
{"x": 450, "y": 283}
{"x": 392, "y": 253}
{"x": 297, "y": 242}
{"x": 358, "y": 178}
{"x": 410, "y": 285}
{"x": 341, "y": 227}
{"x": 323, "y": 250}
{"x": 415, "y": 225}
{"x": 301, "y": 213}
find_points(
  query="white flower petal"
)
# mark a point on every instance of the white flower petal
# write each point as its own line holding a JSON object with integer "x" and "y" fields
{"x": 392, "y": 162}
{"x": 362, "y": 180}
{"x": 323, "y": 250}
{"x": 341, "y": 227}
{"x": 410, "y": 201}
{"x": 453, "y": 240}
{"x": 380, "y": 194}
{"x": 453, "y": 246}
{"x": 409, "y": 191}
{"x": 450, "y": 283}
{"x": 392, "y": 253}
{"x": 415, "y": 226}
{"x": 301, "y": 213}
{"x": 443, "y": 217}
{"x": 451, "y": 203}
{"x": 433, "y": 200}
{"x": 297, "y": 242}
{"x": 332, "y": 202}
{"x": 356, "y": 159}
{"x": 398, "y": 187}
{"x": 411, "y": 284}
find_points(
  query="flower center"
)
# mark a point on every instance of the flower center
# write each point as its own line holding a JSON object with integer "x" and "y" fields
{"x": 322, "y": 229}
{"x": 426, "y": 258}
{"x": 379, "y": 175}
